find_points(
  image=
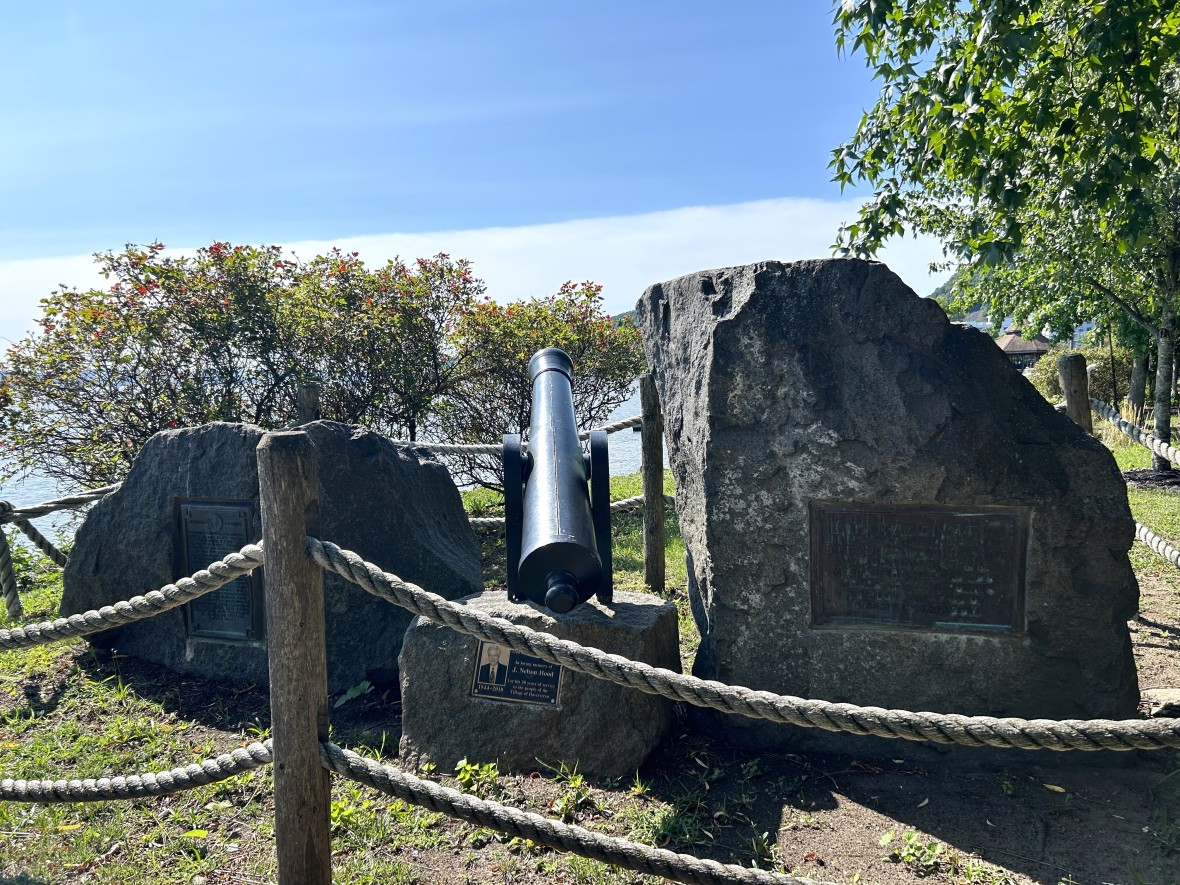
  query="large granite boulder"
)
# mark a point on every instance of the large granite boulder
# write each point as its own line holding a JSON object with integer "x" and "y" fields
{"x": 465, "y": 698}
{"x": 392, "y": 504}
{"x": 878, "y": 508}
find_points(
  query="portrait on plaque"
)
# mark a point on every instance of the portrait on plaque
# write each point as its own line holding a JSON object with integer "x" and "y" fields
{"x": 502, "y": 674}
{"x": 954, "y": 568}
{"x": 493, "y": 670}
{"x": 208, "y": 530}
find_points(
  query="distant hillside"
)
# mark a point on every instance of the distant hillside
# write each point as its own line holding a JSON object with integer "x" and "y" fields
{"x": 619, "y": 317}
{"x": 946, "y": 296}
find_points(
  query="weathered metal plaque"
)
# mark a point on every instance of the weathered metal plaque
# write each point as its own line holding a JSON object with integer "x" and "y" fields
{"x": 502, "y": 674}
{"x": 209, "y": 529}
{"x": 956, "y": 568}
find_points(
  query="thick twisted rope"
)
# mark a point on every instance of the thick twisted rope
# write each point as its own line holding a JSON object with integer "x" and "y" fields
{"x": 942, "y": 728}
{"x": 8, "y": 587}
{"x": 1138, "y": 434}
{"x": 170, "y": 596}
{"x": 43, "y": 544}
{"x": 1158, "y": 544}
{"x": 542, "y": 830}
{"x": 624, "y": 504}
{"x": 634, "y": 503}
{"x": 451, "y": 448}
{"x": 493, "y": 449}
{"x": 67, "y": 503}
{"x": 623, "y": 424}
{"x": 138, "y": 786}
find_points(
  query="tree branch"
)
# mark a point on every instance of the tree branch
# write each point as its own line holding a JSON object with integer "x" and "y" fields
{"x": 1130, "y": 309}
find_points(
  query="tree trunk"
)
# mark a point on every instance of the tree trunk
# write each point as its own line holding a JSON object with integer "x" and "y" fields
{"x": 1163, "y": 382}
{"x": 1136, "y": 396}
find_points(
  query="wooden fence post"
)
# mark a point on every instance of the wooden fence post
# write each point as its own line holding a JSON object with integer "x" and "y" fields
{"x": 1071, "y": 369}
{"x": 307, "y": 403}
{"x": 298, "y": 658}
{"x": 654, "y": 544}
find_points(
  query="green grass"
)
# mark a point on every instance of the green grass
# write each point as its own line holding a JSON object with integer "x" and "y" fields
{"x": 67, "y": 710}
{"x": 1128, "y": 454}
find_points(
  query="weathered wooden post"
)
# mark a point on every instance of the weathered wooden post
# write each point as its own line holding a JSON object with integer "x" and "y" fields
{"x": 652, "y": 455}
{"x": 1071, "y": 369}
{"x": 307, "y": 402}
{"x": 298, "y": 659}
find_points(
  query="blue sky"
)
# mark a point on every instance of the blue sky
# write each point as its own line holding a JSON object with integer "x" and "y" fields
{"x": 447, "y": 124}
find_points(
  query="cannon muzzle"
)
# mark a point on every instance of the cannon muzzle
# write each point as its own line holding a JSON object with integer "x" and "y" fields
{"x": 557, "y": 531}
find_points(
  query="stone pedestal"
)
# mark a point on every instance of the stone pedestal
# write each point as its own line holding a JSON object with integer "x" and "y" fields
{"x": 463, "y": 698}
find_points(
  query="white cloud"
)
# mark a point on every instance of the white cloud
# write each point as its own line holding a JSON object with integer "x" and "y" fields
{"x": 624, "y": 253}
{"x": 24, "y": 283}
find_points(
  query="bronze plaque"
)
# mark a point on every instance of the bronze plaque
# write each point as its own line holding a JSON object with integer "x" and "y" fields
{"x": 956, "y": 568}
{"x": 208, "y": 531}
{"x": 502, "y": 674}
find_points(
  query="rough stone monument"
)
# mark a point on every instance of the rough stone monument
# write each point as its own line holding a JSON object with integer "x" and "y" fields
{"x": 462, "y": 697}
{"x": 192, "y": 496}
{"x": 879, "y": 509}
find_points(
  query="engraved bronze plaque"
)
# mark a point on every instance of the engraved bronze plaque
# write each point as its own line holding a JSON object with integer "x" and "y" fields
{"x": 502, "y": 674}
{"x": 953, "y": 568}
{"x": 209, "y": 529}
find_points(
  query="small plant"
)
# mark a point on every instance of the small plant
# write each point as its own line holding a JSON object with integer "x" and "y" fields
{"x": 346, "y": 814}
{"x": 482, "y": 780}
{"x": 358, "y": 690}
{"x": 922, "y": 858}
{"x": 576, "y": 795}
{"x": 766, "y": 853}
{"x": 1166, "y": 832}
{"x": 972, "y": 871}
{"x": 639, "y": 789}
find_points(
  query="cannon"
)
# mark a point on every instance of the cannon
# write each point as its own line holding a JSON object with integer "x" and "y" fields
{"x": 556, "y": 499}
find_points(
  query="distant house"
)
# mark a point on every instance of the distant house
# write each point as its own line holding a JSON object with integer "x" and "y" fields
{"x": 1023, "y": 352}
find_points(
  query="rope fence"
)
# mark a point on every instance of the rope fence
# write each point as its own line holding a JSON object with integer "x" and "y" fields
{"x": 1136, "y": 433}
{"x": 495, "y": 449}
{"x": 170, "y": 596}
{"x": 139, "y": 786}
{"x": 20, "y": 516}
{"x": 974, "y": 731}
{"x": 941, "y": 728}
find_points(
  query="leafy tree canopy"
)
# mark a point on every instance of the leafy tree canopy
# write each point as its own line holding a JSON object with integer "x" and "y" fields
{"x": 1036, "y": 138}
{"x": 996, "y": 105}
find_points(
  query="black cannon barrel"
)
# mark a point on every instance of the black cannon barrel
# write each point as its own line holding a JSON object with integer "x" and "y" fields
{"x": 559, "y": 562}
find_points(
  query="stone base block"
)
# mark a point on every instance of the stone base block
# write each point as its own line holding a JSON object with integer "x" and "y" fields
{"x": 463, "y": 698}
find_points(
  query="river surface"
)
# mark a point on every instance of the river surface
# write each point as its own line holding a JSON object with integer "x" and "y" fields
{"x": 624, "y": 459}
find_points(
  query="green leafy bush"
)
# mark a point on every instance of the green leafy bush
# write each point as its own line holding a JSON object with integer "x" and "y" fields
{"x": 228, "y": 333}
{"x": 1044, "y": 376}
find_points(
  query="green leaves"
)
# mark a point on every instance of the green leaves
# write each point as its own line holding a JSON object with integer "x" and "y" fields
{"x": 495, "y": 394}
{"x": 986, "y": 104}
{"x": 227, "y": 334}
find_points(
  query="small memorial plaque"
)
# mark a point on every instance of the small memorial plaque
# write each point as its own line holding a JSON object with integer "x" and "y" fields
{"x": 502, "y": 674}
{"x": 921, "y": 566}
{"x": 208, "y": 531}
